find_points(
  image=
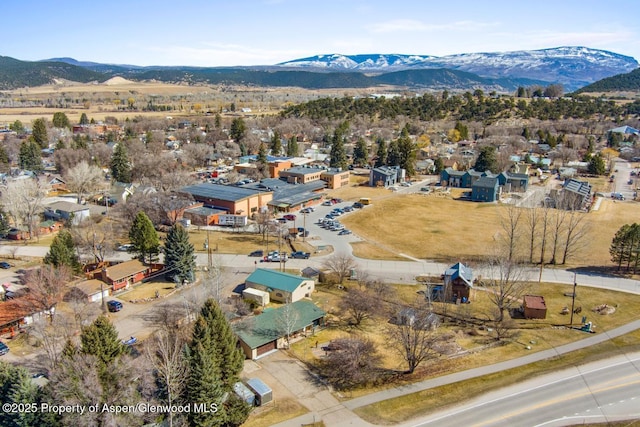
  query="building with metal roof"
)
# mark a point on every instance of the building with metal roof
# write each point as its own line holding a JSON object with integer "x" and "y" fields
{"x": 283, "y": 287}
{"x": 264, "y": 333}
{"x": 232, "y": 199}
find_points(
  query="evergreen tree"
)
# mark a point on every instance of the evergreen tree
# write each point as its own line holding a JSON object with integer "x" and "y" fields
{"x": 63, "y": 252}
{"x": 597, "y": 165}
{"x": 4, "y": 159}
{"x": 60, "y": 120}
{"x": 360, "y": 153}
{"x": 382, "y": 153}
{"x": 39, "y": 133}
{"x": 463, "y": 129}
{"x": 217, "y": 121}
{"x": 80, "y": 142}
{"x": 487, "y": 160}
{"x": 338, "y": 154}
{"x": 238, "y": 130}
{"x": 393, "y": 154}
{"x": 120, "y": 167}
{"x": 17, "y": 387}
{"x": 215, "y": 361}
{"x": 60, "y": 145}
{"x": 144, "y": 237}
{"x": 292, "y": 147}
{"x": 262, "y": 155}
{"x": 407, "y": 153}
{"x": 276, "y": 144}
{"x": 179, "y": 258}
{"x": 30, "y": 157}
{"x": 84, "y": 120}
{"x": 100, "y": 339}
{"x": 17, "y": 127}
{"x": 438, "y": 165}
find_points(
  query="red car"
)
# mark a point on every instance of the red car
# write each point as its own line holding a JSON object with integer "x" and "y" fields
{"x": 290, "y": 217}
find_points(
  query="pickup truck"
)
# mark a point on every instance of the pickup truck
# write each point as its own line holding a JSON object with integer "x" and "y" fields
{"x": 300, "y": 255}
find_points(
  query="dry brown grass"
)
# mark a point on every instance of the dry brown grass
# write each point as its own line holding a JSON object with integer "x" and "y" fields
{"x": 541, "y": 334}
{"x": 372, "y": 251}
{"x": 443, "y": 229}
{"x": 406, "y": 407}
{"x": 148, "y": 290}
{"x": 281, "y": 410}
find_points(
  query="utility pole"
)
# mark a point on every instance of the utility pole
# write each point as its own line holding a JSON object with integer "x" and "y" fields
{"x": 304, "y": 225}
{"x": 573, "y": 298}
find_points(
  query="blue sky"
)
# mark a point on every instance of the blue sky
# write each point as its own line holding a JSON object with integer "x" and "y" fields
{"x": 263, "y": 32}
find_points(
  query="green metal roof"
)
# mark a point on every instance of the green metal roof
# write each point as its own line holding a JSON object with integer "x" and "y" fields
{"x": 268, "y": 327}
{"x": 276, "y": 279}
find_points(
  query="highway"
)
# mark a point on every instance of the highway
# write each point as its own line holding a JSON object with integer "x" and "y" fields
{"x": 599, "y": 392}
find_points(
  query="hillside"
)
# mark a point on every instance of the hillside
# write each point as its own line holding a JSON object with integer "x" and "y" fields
{"x": 621, "y": 82}
{"x": 15, "y": 73}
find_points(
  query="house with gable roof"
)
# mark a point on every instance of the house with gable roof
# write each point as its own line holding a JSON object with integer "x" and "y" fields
{"x": 282, "y": 287}
{"x": 485, "y": 189}
{"x": 458, "y": 283}
{"x": 264, "y": 333}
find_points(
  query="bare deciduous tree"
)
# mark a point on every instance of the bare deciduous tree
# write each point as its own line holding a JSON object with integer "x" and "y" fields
{"x": 511, "y": 223}
{"x": 351, "y": 362}
{"x": 576, "y": 232}
{"x": 287, "y": 321}
{"x": 359, "y": 304}
{"x": 533, "y": 220}
{"x": 166, "y": 355}
{"x": 415, "y": 339}
{"x": 46, "y": 288}
{"x": 94, "y": 239}
{"x": 557, "y": 230}
{"x": 23, "y": 200}
{"x": 340, "y": 264}
{"x": 83, "y": 179}
{"x": 506, "y": 283}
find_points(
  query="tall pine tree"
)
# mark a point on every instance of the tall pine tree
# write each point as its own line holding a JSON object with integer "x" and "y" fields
{"x": 381, "y": 154}
{"x": 144, "y": 238}
{"x": 179, "y": 258}
{"x": 292, "y": 147}
{"x": 407, "y": 152}
{"x": 39, "y": 133}
{"x": 276, "y": 144}
{"x": 100, "y": 339}
{"x": 360, "y": 153}
{"x": 63, "y": 252}
{"x": 338, "y": 154}
{"x": 30, "y": 157}
{"x": 120, "y": 166}
{"x": 214, "y": 365}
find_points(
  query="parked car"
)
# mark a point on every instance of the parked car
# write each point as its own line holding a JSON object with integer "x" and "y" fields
{"x": 427, "y": 189}
{"x": 3, "y": 349}
{"x": 300, "y": 255}
{"x": 334, "y": 201}
{"x": 406, "y": 184}
{"x": 257, "y": 253}
{"x": 131, "y": 341}
{"x": 327, "y": 203}
{"x": 290, "y": 217}
{"x": 358, "y": 205}
{"x": 617, "y": 196}
{"x": 5, "y": 265}
{"x": 343, "y": 232}
{"x": 282, "y": 220}
{"x": 349, "y": 209}
{"x": 125, "y": 247}
{"x": 114, "y": 306}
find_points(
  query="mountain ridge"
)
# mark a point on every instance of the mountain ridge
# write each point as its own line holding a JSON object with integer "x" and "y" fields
{"x": 572, "y": 66}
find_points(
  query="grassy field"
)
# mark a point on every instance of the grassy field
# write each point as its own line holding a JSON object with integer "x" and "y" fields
{"x": 475, "y": 345}
{"x": 442, "y": 228}
{"x": 279, "y": 411}
{"x": 148, "y": 290}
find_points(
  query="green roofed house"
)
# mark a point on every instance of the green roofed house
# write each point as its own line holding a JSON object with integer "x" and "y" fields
{"x": 282, "y": 287}
{"x": 266, "y": 332}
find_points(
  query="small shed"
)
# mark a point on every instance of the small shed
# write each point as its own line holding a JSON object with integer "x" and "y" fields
{"x": 262, "y": 391}
{"x": 244, "y": 393}
{"x": 534, "y": 307}
{"x": 261, "y": 297}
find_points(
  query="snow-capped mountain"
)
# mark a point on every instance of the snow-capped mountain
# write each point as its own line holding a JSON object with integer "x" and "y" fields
{"x": 571, "y": 66}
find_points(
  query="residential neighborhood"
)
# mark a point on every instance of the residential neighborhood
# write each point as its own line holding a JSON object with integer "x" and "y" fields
{"x": 309, "y": 248}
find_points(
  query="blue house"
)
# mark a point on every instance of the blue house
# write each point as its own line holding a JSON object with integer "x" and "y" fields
{"x": 513, "y": 182}
{"x": 451, "y": 177}
{"x": 471, "y": 176}
{"x": 485, "y": 189}
{"x": 385, "y": 176}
